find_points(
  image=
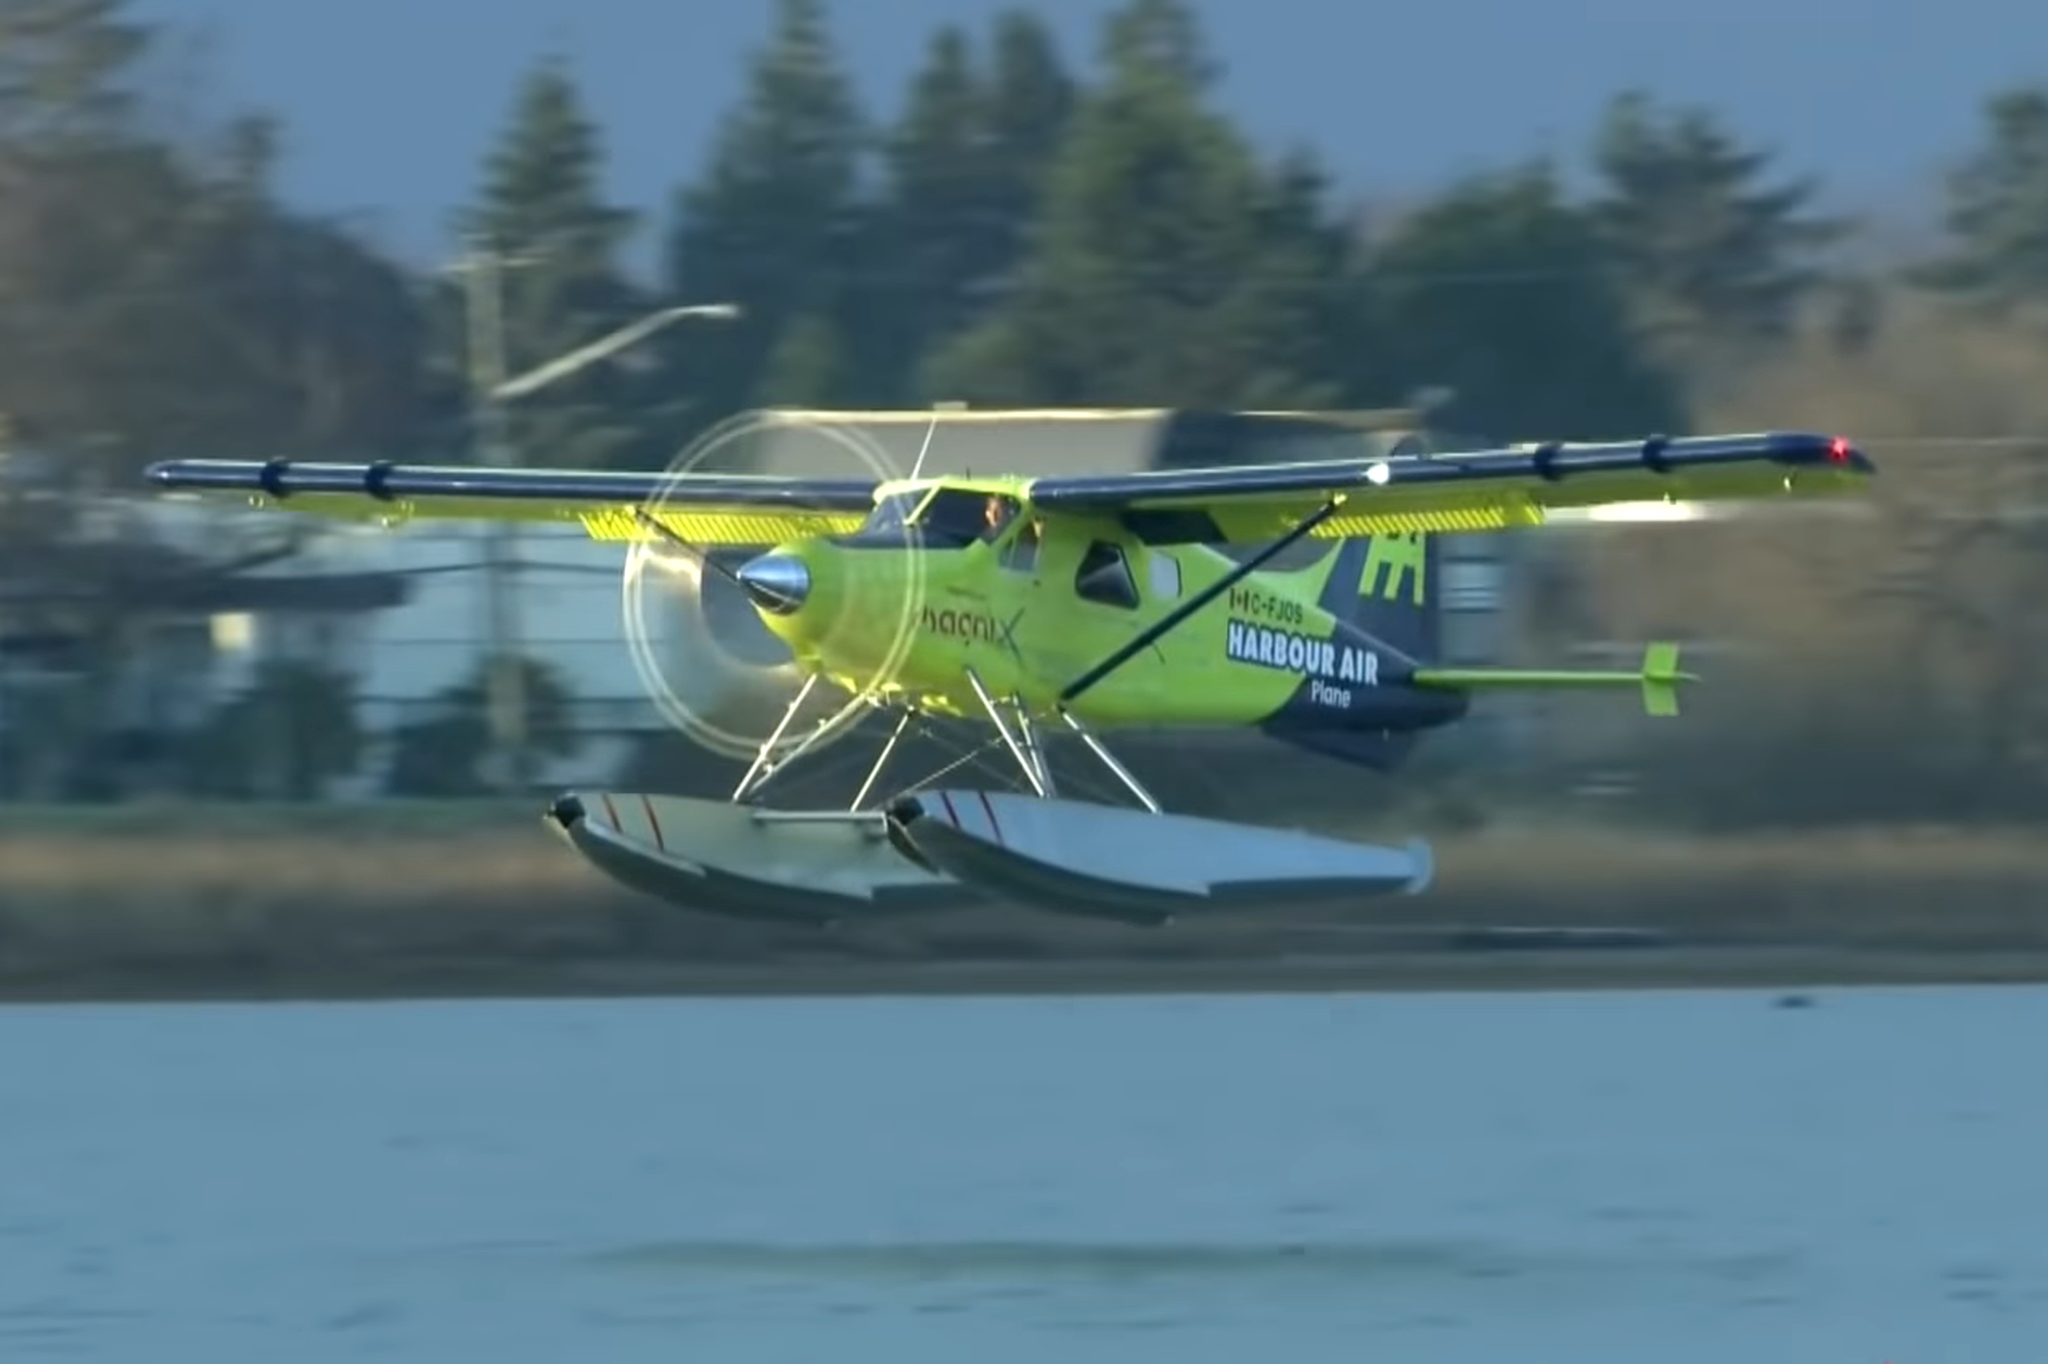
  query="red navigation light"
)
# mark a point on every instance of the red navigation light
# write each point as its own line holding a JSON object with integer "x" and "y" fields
{"x": 1838, "y": 451}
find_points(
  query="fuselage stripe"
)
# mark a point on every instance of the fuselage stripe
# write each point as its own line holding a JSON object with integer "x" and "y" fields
{"x": 612, "y": 813}
{"x": 951, "y": 814}
{"x": 990, "y": 811}
{"x": 653, "y": 823}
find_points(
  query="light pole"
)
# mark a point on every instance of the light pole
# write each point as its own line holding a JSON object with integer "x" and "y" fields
{"x": 482, "y": 270}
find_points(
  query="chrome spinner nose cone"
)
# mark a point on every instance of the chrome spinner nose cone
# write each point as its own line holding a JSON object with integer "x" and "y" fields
{"x": 775, "y": 582}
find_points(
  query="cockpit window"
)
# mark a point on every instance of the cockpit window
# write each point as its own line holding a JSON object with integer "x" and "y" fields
{"x": 953, "y": 519}
{"x": 886, "y": 526}
{"x": 890, "y": 513}
{"x": 958, "y": 516}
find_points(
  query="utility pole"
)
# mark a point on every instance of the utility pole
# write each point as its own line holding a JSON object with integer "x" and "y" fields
{"x": 482, "y": 268}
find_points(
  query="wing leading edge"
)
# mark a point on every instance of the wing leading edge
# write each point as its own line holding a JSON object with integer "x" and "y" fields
{"x": 1483, "y": 490}
{"x": 1469, "y": 492}
{"x": 703, "y": 509}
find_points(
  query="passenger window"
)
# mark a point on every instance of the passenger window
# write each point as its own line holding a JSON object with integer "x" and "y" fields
{"x": 1021, "y": 554}
{"x": 1165, "y": 576}
{"x": 1105, "y": 577}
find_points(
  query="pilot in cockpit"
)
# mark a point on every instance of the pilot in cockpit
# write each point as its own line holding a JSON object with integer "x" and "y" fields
{"x": 995, "y": 514}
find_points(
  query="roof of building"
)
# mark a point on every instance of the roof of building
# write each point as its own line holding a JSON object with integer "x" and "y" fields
{"x": 844, "y": 443}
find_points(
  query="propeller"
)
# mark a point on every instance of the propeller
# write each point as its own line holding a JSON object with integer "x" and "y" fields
{"x": 711, "y": 667}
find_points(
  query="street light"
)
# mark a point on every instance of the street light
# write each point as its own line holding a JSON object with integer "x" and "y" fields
{"x": 632, "y": 334}
{"x": 482, "y": 268}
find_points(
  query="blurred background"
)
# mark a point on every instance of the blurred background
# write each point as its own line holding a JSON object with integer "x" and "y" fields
{"x": 223, "y": 734}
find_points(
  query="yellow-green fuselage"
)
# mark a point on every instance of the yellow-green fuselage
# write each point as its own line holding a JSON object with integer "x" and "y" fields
{"x": 912, "y": 621}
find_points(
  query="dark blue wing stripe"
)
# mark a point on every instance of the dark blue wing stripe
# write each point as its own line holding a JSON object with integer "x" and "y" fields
{"x": 386, "y": 482}
{"x": 1556, "y": 463}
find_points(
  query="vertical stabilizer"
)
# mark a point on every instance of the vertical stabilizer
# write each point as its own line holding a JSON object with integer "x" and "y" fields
{"x": 1383, "y": 592}
{"x": 1386, "y": 586}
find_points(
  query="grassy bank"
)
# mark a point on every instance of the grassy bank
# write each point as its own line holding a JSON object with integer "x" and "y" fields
{"x": 480, "y": 897}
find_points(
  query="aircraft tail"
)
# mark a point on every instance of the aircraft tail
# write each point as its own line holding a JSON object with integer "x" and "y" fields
{"x": 1382, "y": 586}
{"x": 1379, "y": 589}
{"x": 1386, "y": 586}
{"x": 1384, "y": 593}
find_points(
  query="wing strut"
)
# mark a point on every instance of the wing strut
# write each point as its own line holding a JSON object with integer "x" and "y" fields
{"x": 1159, "y": 629}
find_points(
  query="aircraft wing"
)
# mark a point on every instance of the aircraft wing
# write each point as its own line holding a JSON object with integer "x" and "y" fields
{"x": 1483, "y": 490}
{"x": 701, "y": 509}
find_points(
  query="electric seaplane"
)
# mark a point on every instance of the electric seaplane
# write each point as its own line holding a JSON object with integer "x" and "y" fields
{"x": 1063, "y": 605}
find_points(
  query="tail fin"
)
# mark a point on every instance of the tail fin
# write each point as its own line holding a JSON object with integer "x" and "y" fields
{"x": 1661, "y": 678}
{"x": 1381, "y": 586}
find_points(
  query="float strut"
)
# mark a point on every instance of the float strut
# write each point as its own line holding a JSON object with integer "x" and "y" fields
{"x": 1109, "y": 760}
{"x": 882, "y": 759}
{"x": 781, "y": 726}
{"x": 1027, "y": 737}
{"x": 995, "y": 717}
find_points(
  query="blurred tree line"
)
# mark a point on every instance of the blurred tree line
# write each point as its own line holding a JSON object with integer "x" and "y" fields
{"x": 1027, "y": 229}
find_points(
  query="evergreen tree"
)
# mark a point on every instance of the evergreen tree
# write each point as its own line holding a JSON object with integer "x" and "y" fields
{"x": 153, "y": 308}
{"x": 1310, "y": 306}
{"x": 1158, "y": 42}
{"x": 159, "y": 298}
{"x": 318, "y": 342}
{"x": 966, "y": 165}
{"x": 931, "y": 240}
{"x": 772, "y": 225}
{"x": 1997, "y": 215}
{"x": 542, "y": 212}
{"x": 1499, "y": 291}
{"x": 1154, "y": 277}
{"x": 62, "y": 69}
{"x": 1708, "y": 255}
{"x": 1030, "y": 107}
{"x": 87, "y": 214}
{"x": 809, "y": 365}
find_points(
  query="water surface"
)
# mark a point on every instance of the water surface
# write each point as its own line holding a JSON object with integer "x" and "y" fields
{"x": 1448, "y": 1178}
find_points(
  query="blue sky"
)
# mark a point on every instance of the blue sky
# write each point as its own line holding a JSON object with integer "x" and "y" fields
{"x": 391, "y": 105}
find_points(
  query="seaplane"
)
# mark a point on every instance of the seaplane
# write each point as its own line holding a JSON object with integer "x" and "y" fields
{"x": 1071, "y": 607}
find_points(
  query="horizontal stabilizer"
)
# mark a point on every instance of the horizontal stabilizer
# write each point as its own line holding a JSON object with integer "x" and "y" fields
{"x": 1659, "y": 678}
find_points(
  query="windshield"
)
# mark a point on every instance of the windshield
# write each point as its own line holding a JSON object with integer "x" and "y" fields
{"x": 891, "y": 512}
{"x": 956, "y": 517}
{"x": 953, "y": 519}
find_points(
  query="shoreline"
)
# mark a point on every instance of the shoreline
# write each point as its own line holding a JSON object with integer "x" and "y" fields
{"x": 448, "y": 902}
{"x": 1792, "y": 969}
